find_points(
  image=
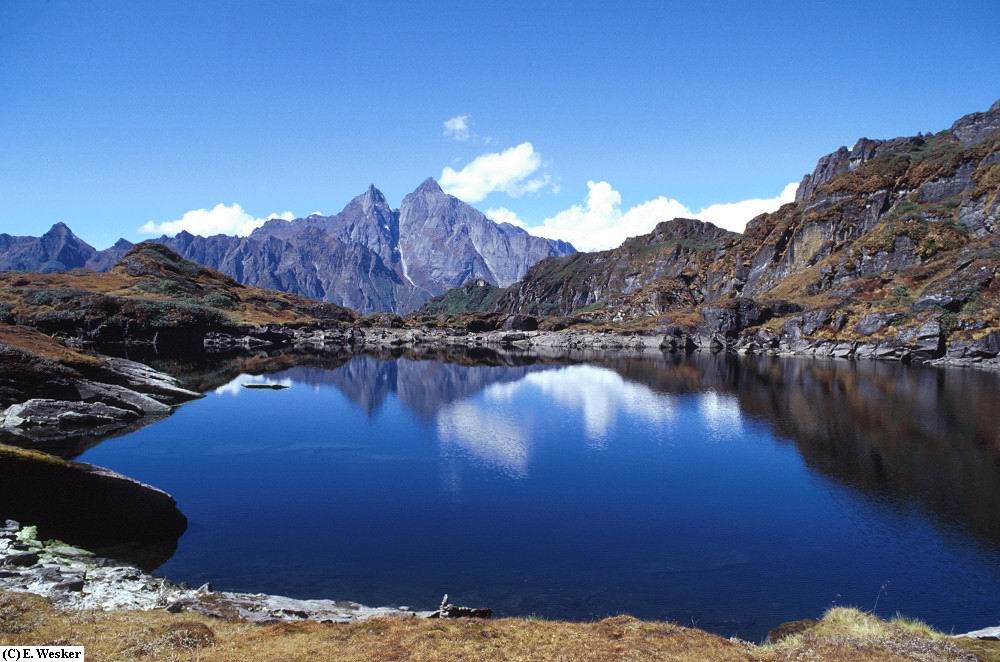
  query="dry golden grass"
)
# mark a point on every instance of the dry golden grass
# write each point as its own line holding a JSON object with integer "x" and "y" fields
{"x": 45, "y": 346}
{"x": 849, "y": 634}
{"x": 30, "y": 454}
{"x": 843, "y": 634}
{"x": 166, "y": 278}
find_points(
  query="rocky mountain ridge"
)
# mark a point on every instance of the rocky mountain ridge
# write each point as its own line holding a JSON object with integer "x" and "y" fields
{"x": 368, "y": 257}
{"x": 892, "y": 248}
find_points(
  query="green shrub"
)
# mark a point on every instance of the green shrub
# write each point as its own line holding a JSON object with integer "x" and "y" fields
{"x": 219, "y": 300}
{"x": 162, "y": 286}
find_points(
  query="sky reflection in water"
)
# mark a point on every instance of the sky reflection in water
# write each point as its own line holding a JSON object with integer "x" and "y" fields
{"x": 734, "y": 493}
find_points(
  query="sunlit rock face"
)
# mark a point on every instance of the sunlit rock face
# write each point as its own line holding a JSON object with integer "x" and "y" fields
{"x": 371, "y": 257}
{"x": 906, "y": 227}
{"x": 446, "y": 243}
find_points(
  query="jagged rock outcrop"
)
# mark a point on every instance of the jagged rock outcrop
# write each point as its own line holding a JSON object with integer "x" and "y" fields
{"x": 974, "y": 128}
{"x": 894, "y": 243}
{"x": 445, "y": 242}
{"x": 643, "y": 277}
{"x": 51, "y": 393}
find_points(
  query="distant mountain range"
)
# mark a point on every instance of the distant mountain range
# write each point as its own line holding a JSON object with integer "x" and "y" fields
{"x": 368, "y": 257}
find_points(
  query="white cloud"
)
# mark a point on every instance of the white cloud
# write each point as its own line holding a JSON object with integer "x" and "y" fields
{"x": 504, "y": 215}
{"x": 734, "y": 215}
{"x": 457, "y": 128}
{"x": 599, "y": 223}
{"x": 509, "y": 171}
{"x": 721, "y": 414}
{"x": 220, "y": 219}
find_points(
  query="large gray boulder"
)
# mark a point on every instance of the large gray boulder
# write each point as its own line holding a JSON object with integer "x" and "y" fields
{"x": 62, "y": 414}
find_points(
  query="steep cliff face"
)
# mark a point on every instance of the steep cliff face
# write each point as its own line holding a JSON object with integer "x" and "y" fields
{"x": 445, "y": 242}
{"x": 311, "y": 262}
{"x": 373, "y": 258}
{"x": 891, "y": 244}
{"x": 645, "y": 276}
{"x": 884, "y": 206}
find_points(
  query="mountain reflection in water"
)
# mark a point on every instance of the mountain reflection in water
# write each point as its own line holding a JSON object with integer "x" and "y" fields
{"x": 734, "y": 491}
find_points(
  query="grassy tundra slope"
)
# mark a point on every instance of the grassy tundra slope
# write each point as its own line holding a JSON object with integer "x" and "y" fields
{"x": 842, "y": 634}
{"x": 152, "y": 294}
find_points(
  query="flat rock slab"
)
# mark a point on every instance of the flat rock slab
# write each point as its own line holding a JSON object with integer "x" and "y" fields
{"x": 992, "y": 634}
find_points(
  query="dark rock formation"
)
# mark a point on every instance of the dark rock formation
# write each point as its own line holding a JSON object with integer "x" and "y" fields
{"x": 732, "y": 317}
{"x": 89, "y": 506}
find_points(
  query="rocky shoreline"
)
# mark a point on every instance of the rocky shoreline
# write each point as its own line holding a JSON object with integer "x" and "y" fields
{"x": 117, "y": 396}
{"x": 74, "y": 578}
{"x": 122, "y": 394}
{"x": 922, "y": 345}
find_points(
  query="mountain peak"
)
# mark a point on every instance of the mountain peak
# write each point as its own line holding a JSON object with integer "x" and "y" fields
{"x": 59, "y": 228}
{"x": 372, "y": 201}
{"x": 373, "y": 195}
{"x": 974, "y": 128}
{"x": 429, "y": 185}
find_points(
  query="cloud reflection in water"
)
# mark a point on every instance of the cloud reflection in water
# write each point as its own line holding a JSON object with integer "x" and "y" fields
{"x": 235, "y": 387}
{"x": 494, "y": 429}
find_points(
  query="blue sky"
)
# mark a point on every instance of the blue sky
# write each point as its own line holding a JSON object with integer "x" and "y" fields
{"x": 114, "y": 114}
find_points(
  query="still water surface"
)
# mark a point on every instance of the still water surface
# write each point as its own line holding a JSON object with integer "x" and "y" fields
{"x": 731, "y": 493}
